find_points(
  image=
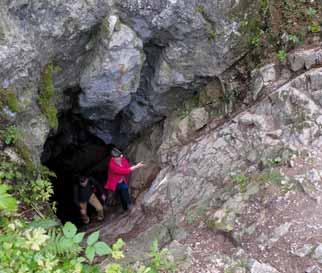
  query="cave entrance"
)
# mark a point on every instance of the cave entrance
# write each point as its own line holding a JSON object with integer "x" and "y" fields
{"x": 71, "y": 152}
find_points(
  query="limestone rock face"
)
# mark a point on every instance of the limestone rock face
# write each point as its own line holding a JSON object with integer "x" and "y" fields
{"x": 113, "y": 73}
{"x": 188, "y": 42}
{"x": 132, "y": 71}
{"x": 256, "y": 179}
{"x": 34, "y": 34}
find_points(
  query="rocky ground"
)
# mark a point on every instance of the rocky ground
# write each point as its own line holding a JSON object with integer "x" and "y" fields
{"x": 243, "y": 196}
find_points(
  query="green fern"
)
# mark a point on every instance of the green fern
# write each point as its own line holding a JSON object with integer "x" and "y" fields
{"x": 44, "y": 223}
{"x": 60, "y": 245}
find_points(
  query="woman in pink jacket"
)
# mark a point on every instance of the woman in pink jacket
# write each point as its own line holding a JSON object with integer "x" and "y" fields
{"x": 118, "y": 172}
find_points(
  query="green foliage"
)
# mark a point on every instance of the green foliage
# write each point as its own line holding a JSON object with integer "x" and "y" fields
{"x": 117, "y": 249}
{"x": 315, "y": 27}
{"x": 24, "y": 152}
{"x": 270, "y": 176}
{"x": 96, "y": 248}
{"x": 44, "y": 223}
{"x": 7, "y": 202}
{"x": 293, "y": 38}
{"x": 211, "y": 32}
{"x": 200, "y": 9}
{"x": 105, "y": 27}
{"x": 114, "y": 268}
{"x": 267, "y": 21}
{"x": 10, "y": 135}
{"x": 37, "y": 250}
{"x": 311, "y": 12}
{"x": 43, "y": 245}
{"x": 61, "y": 245}
{"x": 159, "y": 261}
{"x": 46, "y": 95}
{"x": 281, "y": 55}
{"x": 240, "y": 180}
{"x": 31, "y": 186}
{"x": 8, "y": 98}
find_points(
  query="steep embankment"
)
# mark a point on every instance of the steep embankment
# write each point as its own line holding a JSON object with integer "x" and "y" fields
{"x": 245, "y": 195}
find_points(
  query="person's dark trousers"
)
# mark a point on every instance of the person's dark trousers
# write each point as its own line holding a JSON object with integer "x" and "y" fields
{"x": 123, "y": 191}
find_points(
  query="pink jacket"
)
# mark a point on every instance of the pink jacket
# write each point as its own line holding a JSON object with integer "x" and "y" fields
{"x": 117, "y": 173}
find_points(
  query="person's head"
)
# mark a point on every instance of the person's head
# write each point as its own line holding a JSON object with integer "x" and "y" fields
{"x": 83, "y": 181}
{"x": 116, "y": 153}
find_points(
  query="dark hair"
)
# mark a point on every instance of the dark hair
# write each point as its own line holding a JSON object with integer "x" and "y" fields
{"x": 116, "y": 152}
{"x": 82, "y": 179}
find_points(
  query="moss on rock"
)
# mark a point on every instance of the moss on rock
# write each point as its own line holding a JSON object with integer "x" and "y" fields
{"x": 46, "y": 96}
{"x": 8, "y": 98}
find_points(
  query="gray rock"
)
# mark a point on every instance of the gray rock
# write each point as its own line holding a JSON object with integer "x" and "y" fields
{"x": 313, "y": 269}
{"x": 113, "y": 74}
{"x": 305, "y": 58}
{"x": 198, "y": 118}
{"x": 303, "y": 251}
{"x": 317, "y": 254}
{"x": 256, "y": 267}
{"x": 263, "y": 77}
{"x": 279, "y": 232}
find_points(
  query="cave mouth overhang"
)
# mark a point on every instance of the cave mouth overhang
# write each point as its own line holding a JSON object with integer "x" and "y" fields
{"x": 70, "y": 152}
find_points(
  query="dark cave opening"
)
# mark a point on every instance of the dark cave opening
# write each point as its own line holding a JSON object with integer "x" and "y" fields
{"x": 73, "y": 152}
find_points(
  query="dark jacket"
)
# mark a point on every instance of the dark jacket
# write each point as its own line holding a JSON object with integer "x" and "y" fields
{"x": 82, "y": 194}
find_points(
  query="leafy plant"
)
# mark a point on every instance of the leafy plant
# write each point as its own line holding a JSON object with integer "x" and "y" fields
{"x": 7, "y": 202}
{"x": 293, "y": 38}
{"x": 95, "y": 247}
{"x": 159, "y": 259}
{"x": 10, "y": 135}
{"x": 31, "y": 186}
{"x": 36, "y": 250}
{"x": 281, "y": 55}
{"x": 240, "y": 180}
{"x": 311, "y": 12}
{"x": 315, "y": 27}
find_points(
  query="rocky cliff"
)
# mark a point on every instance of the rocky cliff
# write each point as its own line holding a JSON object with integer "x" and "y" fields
{"x": 233, "y": 176}
{"x": 129, "y": 63}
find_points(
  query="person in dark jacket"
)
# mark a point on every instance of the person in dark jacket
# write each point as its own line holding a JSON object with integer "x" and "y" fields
{"x": 87, "y": 191}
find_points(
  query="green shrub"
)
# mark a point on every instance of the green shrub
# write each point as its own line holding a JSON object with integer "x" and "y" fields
{"x": 34, "y": 249}
{"x": 265, "y": 23}
{"x": 31, "y": 186}
{"x": 43, "y": 246}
